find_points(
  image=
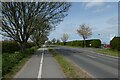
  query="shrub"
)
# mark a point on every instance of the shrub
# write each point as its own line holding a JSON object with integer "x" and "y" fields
{"x": 29, "y": 44}
{"x": 88, "y": 42}
{"x": 12, "y": 46}
{"x": 9, "y": 46}
{"x": 115, "y": 43}
{"x": 96, "y": 43}
{"x": 61, "y": 43}
{"x": 9, "y": 60}
{"x": 77, "y": 43}
{"x": 69, "y": 43}
{"x": 30, "y": 50}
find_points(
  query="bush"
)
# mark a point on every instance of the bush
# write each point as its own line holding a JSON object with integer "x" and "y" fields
{"x": 9, "y": 60}
{"x": 96, "y": 43}
{"x": 115, "y": 43}
{"x": 69, "y": 43}
{"x": 30, "y": 50}
{"x": 12, "y": 46}
{"x": 75, "y": 43}
{"x": 88, "y": 42}
{"x": 29, "y": 44}
{"x": 9, "y": 46}
{"x": 61, "y": 43}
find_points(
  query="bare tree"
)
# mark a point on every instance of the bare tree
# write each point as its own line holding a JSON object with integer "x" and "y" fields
{"x": 84, "y": 31}
{"x": 64, "y": 38}
{"x": 18, "y": 18}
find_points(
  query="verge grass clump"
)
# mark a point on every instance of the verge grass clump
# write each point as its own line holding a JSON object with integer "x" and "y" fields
{"x": 12, "y": 62}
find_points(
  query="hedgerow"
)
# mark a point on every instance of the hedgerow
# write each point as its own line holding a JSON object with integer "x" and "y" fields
{"x": 115, "y": 43}
{"x": 96, "y": 43}
{"x": 9, "y": 60}
{"x": 12, "y": 46}
{"x": 80, "y": 43}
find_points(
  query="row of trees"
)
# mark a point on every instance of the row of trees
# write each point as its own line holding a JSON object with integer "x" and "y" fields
{"x": 64, "y": 39}
{"x": 31, "y": 20}
{"x": 84, "y": 30}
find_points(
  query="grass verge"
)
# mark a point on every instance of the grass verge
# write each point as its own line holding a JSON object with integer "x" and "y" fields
{"x": 13, "y": 62}
{"x": 109, "y": 52}
{"x": 16, "y": 68}
{"x": 68, "y": 68}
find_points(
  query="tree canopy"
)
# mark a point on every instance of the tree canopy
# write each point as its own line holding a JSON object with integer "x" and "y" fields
{"x": 84, "y": 31}
{"x": 64, "y": 38}
{"x": 20, "y": 19}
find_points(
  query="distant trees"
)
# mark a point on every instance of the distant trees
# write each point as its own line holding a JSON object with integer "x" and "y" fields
{"x": 48, "y": 42}
{"x": 64, "y": 38}
{"x": 40, "y": 34}
{"x": 58, "y": 41}
{"x": 84, "y": 31}
{"x": 19, "y": 19}
{"x": 53, "y": 40}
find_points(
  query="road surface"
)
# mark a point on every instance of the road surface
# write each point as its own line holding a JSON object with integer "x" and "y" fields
{"x": 99, "y": 66}
{"x": 40, "y": 66}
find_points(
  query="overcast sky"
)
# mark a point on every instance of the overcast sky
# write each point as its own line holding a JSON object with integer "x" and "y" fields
{"x": 102, "y": 17}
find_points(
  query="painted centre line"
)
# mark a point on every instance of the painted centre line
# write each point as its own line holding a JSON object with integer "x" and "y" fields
{"x": 41, "y": 64}
{"x": 91, "y": 56}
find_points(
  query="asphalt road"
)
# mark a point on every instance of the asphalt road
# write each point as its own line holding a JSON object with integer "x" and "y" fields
{"x": 99, "y": 66}
{"x": 31, "y": 68}
{"x": 51, "y": 68}
{"x": 40, "y": 65}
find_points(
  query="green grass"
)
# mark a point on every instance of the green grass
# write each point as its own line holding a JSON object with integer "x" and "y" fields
{"x": 70, "y": 70}
{"x": 109, "y": 52}
{"x": 16, "y": 68}
{"x": 13, "y": 62}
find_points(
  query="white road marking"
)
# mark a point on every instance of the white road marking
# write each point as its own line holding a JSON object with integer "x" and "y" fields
{"x": 40, "y": 68}
{"x": 91, "y": 56}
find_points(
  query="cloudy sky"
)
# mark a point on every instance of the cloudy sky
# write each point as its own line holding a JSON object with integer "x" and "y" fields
{"x": 101, "y": 16}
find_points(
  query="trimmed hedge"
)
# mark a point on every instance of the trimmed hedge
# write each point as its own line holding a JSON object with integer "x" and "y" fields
{"x": 9, "y": 60}
{"x": 115, "y": 43}
{"x": 9, "y": 46}
{"x": 96, "y": 43}
{"x": 12, "y": 46}
{"x": 75, "y": 43}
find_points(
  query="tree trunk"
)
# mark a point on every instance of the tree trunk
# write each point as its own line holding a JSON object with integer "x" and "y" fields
{"x": 64, "y": 43}
{"x": 22, "y": 47}
{"x": 84, "y": 43}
